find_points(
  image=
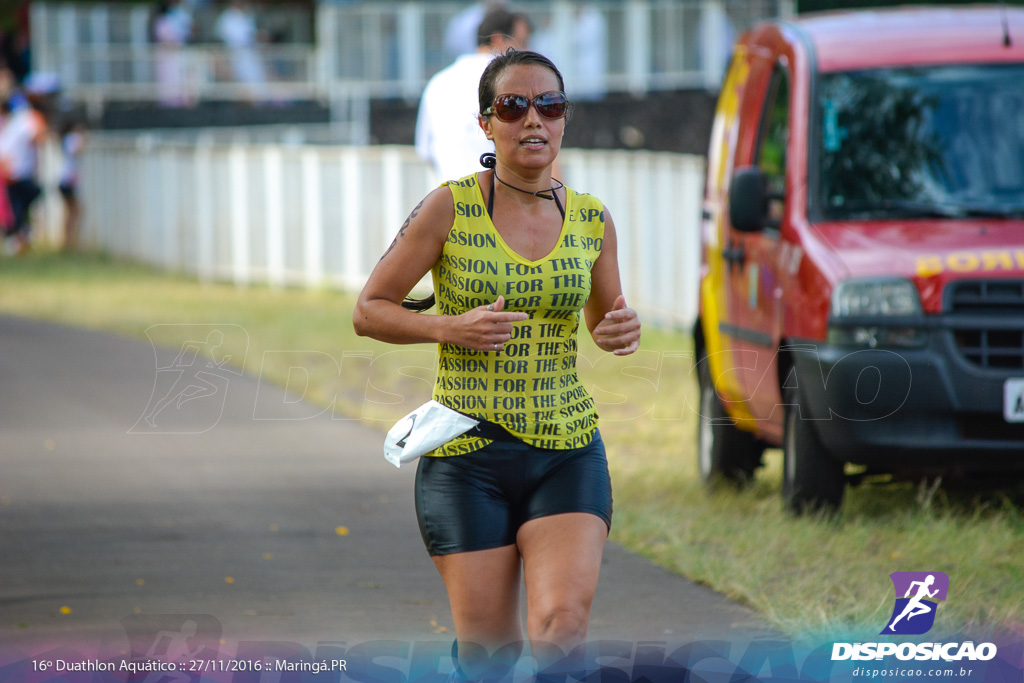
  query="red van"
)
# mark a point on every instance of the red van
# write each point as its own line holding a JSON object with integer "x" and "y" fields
{"x": 862, "y": 280}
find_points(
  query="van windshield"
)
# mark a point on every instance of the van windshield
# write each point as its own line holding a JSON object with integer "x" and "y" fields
{"x": 922, "y": 142}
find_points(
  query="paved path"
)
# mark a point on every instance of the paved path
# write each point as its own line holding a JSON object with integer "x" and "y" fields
{"x": 216, "y": 521}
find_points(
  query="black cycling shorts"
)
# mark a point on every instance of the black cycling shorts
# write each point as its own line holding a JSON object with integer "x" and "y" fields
{"x": 479, "y": 500}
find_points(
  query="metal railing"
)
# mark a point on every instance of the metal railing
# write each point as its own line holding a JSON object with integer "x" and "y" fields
{"x": 109, "y": 72}
{"x": 639, "y": 45}
{"x": 103, "y": 53}
{"x": 308, "y": 215}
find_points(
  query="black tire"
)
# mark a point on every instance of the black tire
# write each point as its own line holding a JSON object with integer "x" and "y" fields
{"x": 812, "y": 480}
{"x": 725, "y": 453}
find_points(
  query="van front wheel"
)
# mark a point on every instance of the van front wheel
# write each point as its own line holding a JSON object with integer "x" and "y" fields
{"x": 812, "y": 480}
{"x": 725, "y": 453}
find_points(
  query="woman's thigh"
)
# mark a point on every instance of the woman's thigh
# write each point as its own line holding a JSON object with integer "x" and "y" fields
{"x": 561, "y": 563}
{"x": 483, "y": 590}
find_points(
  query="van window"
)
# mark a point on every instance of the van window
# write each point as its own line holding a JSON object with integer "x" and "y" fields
{"x": 772, "y": 142}
{"x": 921, "y": 142}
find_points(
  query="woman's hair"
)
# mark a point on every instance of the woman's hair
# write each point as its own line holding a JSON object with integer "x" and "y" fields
{"x": 511, "y": 57}
{"x": 486, "y": 94}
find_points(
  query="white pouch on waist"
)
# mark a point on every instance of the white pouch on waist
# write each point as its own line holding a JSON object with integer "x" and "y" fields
{"x": 423, "y": 430}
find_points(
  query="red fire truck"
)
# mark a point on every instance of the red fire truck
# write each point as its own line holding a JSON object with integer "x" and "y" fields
{"x": 862, "y": 279}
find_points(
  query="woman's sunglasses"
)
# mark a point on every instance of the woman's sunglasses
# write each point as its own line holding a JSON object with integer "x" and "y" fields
{"x": 509, "y": 108}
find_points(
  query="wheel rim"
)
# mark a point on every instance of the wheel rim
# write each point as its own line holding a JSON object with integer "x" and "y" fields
{"x": 707, "y": 434}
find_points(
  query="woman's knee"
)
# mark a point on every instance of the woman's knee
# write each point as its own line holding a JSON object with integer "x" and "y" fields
{"x": 560, "y": 624}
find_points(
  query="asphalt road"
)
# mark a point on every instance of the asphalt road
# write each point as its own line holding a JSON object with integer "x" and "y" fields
{"x": 231, "y": 515}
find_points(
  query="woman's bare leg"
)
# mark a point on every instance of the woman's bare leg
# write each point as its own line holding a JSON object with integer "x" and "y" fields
{"x": 561, "y": 562}
{"x": 483, "y": 590}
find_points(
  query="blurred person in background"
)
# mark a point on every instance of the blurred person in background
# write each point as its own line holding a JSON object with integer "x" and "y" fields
{"x": 10, "y": 60}
{"x": 584, "y": 56}
{"x": 236, "y": 27}
{"x": 72, "y": 144}
{"x": 15, "y": 42}
{"x": 447, "y": 132}
{"x": 24, "y": 130}
{"x": 715, "y": 37}
{"x": 6, "y": 214}
{"x": 8, "y": 81}
{"x": 172, "y": 27}
{"x": 460, "y": 34}
{"x": 591, "y": 46}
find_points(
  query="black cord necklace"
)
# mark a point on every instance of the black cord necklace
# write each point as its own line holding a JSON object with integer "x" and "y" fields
{"x": 543, "y": 194}
{"x": 539, "y": 193}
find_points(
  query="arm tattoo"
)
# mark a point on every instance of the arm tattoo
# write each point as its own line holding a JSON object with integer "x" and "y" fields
{"x": 405, "y": 226}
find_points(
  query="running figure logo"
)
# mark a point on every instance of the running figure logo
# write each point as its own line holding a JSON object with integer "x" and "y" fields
{"x": 914, "y": 613}
{"x": 172, "y": 638}
{"x": 189, "y": 391}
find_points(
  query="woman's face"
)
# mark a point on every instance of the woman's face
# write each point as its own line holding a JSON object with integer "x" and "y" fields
{"x": 533, "y": 141}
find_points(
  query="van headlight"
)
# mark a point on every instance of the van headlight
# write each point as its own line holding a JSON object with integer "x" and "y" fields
{"x": 877, "y": 313}
{"x": 856, "y": 298}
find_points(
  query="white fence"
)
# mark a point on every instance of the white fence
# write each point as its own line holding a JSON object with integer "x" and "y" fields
{"x": 321, "y": 216}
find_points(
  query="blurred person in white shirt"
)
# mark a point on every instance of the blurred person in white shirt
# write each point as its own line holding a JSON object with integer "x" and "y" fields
{"x": 72, "y": 145}
{"x": 460, "y": 34}
{"x": 236, "y": 27}
{"x": 24, "y": 130}
{"x": 172, "y": 28}
{"x": 447, "y": 132}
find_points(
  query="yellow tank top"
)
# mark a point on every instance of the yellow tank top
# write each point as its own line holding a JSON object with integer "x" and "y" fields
{"x": 530, "y": 387}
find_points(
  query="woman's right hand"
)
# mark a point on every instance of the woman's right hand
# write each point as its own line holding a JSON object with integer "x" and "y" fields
{"x": 484, "y": 328}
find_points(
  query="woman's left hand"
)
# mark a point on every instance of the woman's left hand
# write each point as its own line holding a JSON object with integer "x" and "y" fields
{"x": 619, "y": 330}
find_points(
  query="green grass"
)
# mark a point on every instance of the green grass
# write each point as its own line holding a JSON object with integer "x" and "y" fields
{"x": 808, "y": 576}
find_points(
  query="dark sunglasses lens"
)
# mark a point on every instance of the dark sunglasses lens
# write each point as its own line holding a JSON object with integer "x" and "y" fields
{"x": 552, "y": 105}
{"x": 510, "y": 107}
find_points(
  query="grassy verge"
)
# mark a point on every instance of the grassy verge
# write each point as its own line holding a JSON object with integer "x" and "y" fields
{"x": 808, "y": 576}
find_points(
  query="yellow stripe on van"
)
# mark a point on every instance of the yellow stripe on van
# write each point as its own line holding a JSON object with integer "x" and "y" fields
{"x": 713, "y": 285}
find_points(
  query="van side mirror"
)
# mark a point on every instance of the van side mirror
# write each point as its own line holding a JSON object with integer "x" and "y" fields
{"x": 748, "y": 199}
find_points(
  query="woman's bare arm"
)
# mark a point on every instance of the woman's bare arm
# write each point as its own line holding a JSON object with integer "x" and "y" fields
{"x": 613, "y": 325}
{"x": 417, "y": 247}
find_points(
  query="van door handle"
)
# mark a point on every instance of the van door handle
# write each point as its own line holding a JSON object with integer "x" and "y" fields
{"x": 735, "y": 255}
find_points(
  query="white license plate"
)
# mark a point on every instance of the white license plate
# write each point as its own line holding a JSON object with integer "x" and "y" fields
{"x": 1013, "y": 400}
